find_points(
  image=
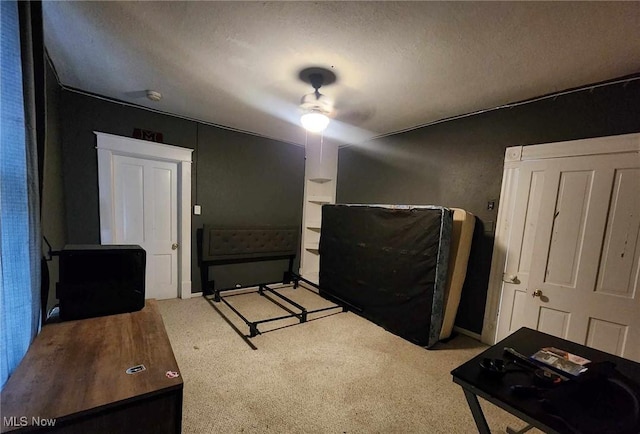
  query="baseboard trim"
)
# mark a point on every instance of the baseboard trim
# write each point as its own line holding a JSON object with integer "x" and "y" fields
{"x": 466, "y": 332}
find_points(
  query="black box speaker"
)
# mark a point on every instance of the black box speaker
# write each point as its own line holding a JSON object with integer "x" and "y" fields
{"x": 98, "y": 280}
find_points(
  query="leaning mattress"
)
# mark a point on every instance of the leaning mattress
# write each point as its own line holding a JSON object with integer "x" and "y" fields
{"x": 389, "y": 262}
{"x": 460, "y": 248}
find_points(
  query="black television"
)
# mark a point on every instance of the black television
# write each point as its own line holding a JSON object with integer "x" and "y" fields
{"x": 99, "y": 280}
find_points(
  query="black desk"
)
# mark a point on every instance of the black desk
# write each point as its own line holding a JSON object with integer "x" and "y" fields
{"x": 477, "y": 382}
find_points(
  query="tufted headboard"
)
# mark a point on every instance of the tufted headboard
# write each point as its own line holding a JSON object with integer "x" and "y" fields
{"x": 250, "y": 243}
{"x": 229, "y": 245}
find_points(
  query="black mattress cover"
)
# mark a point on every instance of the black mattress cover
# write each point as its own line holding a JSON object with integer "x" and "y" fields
{"x": 390, "y": 262}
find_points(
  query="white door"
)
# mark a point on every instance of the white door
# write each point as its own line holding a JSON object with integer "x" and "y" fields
{"x": 573, "y": 251}
{"x": 146, "y": 213}
{"x": 152, "y": 192}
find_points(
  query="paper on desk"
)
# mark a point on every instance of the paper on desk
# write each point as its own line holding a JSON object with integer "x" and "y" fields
{"x": 561, "y": 360}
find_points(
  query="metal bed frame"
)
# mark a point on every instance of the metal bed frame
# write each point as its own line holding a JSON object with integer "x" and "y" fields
{"x": 218, "y": 246}
{"x": 302, "y": 315}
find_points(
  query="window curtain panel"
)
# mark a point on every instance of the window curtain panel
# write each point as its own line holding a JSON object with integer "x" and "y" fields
{"x": 20, "y": 245}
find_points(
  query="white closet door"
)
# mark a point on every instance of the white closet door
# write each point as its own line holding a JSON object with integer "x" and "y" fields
{"x": 573, "y": 252}
{"x": 145, "y": 211}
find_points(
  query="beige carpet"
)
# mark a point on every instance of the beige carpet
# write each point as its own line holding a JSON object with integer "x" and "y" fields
{"x": 337, "y": 374}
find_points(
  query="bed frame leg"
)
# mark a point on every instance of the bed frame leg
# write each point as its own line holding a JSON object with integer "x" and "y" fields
{"x": 253, "y": 330}
{"x": 204, "y": 279}
{"x": 286, "y": 277}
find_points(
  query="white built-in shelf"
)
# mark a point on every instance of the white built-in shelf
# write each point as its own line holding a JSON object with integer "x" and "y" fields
{"x": 311, "y": 246}
{"x": 320, "y": 180}
{"x": 314, "y": 225}
{"x": 320, "y": 199}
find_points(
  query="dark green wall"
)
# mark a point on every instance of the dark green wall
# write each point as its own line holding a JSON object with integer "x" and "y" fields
{"x": 53, "y": 210}
{"x": 245, "y": 180}
{"x": 458, "y": 163}
{"x": 81, "y": 115}
{"x": 237, "y": 178}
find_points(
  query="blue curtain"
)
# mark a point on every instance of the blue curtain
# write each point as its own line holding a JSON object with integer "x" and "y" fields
{"x": 20, "y": 249}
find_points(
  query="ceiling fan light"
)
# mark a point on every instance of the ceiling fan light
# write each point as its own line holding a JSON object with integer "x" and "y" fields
{"x": 314, "y": 121}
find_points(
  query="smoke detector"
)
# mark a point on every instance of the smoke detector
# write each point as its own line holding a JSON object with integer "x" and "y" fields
{"x": 154, "y": 95}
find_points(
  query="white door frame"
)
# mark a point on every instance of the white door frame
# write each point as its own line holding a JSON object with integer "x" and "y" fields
{"x": 109, "y": 145}
{"x": 513, "y": 156}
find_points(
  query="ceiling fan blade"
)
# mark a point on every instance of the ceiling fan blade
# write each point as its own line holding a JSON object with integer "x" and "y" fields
{"x": 355, "y": 115}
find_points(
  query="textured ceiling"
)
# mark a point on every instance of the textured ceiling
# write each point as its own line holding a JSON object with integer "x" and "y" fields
{"x": 399, "y": 64}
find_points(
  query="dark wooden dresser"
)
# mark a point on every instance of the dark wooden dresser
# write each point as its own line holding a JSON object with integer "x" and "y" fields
{"x": 74, "y": 378}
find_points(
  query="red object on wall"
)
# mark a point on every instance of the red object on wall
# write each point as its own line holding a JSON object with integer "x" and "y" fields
{"x": 152, "y": 136}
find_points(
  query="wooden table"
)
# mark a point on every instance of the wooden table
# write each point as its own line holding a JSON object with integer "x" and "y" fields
{"x": 74, "y": 376}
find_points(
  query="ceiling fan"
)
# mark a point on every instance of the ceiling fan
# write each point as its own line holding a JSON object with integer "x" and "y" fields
{"x": 351, "y": 107}
{"x": 316, "y": 107}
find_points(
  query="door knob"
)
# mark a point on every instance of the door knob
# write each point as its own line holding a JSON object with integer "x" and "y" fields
{"x": 174, "y": 246}
{"x": 537, "y": 293}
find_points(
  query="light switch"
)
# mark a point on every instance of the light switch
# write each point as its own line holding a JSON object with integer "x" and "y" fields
{"x": 197, "y": 209}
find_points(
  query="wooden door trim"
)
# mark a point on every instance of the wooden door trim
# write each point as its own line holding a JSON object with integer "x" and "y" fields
{"x": 513, "y": 158}
{"x": 109, "y": 145}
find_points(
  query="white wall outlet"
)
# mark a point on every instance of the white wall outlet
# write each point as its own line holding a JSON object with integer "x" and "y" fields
{"x": 197, "y": 210}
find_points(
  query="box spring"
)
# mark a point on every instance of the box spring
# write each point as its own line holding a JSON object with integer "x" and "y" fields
{"x": 389, "y": 262}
